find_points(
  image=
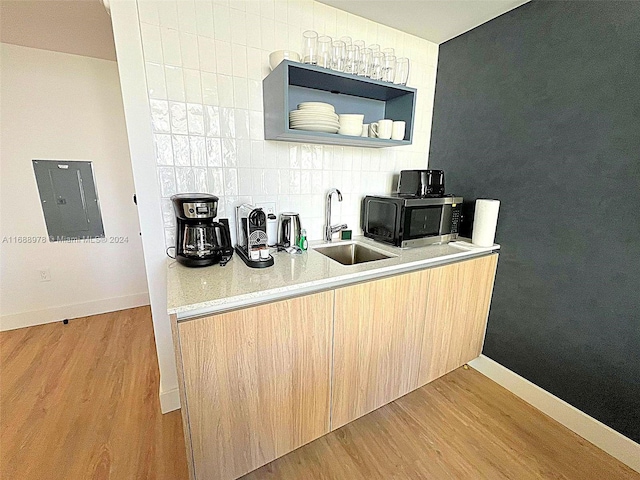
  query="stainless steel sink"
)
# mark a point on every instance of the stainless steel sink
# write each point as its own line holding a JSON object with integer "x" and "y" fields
{"x": 352, "y": 253}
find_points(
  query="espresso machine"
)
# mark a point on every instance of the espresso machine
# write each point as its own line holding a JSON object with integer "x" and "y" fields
{"x": 251, "y": 224}
{"x": 200, "y": 241}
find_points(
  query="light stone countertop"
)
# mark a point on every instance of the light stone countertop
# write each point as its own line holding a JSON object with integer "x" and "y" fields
{"x": 194, "y": 292}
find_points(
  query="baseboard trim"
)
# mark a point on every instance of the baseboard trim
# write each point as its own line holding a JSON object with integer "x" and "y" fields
{"x": 170, "y": 401}
{"x": 57, "y": 314}
{"x": 592, "y": 430}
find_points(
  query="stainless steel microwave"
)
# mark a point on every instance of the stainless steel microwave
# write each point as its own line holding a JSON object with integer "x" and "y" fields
{"x": 411, "y": 221}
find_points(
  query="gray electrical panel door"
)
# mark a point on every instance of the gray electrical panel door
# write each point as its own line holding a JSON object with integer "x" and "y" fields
{"x": 69, "y": 199}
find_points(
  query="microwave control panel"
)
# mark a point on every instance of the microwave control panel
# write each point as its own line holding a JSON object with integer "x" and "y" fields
{"x": 455, "y": 218}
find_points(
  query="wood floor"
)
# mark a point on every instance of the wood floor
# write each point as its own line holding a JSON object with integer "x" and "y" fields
{"x": 80, "y": 401}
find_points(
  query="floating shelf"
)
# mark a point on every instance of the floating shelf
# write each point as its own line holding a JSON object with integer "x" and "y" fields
{"x": 292, "y": 83}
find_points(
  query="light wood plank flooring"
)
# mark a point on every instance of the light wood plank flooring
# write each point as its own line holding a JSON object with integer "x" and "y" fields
{"x": 79, "y": 401}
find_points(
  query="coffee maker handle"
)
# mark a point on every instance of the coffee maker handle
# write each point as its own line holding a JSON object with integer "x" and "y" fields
{"x": 225, "y": 236}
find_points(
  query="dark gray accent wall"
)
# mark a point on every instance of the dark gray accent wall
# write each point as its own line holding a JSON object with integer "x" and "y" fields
{"x": 540, "y": 108}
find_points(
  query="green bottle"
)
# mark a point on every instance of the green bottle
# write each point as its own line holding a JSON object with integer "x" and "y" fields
{"x": 303, "y": 243}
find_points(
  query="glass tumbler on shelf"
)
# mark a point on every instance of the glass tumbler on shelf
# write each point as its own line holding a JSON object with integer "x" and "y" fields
{"x": 324, "y": 51}
{"x": 364, "y": 66}
{"x": 359, "y": 43}
{"x": 351, "y": 59}
{"x": 389, "y": 68}
{"x": 375, "y": 48}
{"x": 346, "y": 39}
{"x": 310, "y": 50}
{"x": 402, "y": 71}
{"x": 337, "y": 55}
{"x": 388, "y": 51}
{"x": 377, "y": 60}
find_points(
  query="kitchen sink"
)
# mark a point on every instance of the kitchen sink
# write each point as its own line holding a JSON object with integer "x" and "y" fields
{"x": 352, "y": 253}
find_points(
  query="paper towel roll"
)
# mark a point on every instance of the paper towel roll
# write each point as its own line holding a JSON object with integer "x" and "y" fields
{"x": 485, "y": 221}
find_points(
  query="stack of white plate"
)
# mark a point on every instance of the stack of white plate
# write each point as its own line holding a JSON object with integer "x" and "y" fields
{"x": 314, "y": 117}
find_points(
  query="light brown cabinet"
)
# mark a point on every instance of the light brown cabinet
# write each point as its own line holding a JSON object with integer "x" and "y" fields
{"x": 394, "y": 335}
{"x": 259, "y": 382}
{"x": 458, "y": 300}
{"x": 378, "y": 332}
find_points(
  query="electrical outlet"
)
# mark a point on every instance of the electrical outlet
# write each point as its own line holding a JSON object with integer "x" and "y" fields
{"x": 45, "y": 275}
{"x": 267, "y": 207}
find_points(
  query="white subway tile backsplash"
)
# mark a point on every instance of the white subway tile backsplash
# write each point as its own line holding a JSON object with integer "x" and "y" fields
{"x": 267, "y": 34}
{"x": 187, "y": 16}
{"x": 171, "y": 47}
{"x": 168, "y": 14}
{"x": 198, "y": 152}
{"x": 209, "y": 83}
{"x": 178, "y": 112}
{"x": 208, "y": 58}
{"x": 160, "y": 116}
{"x": 239, "y": 60}
{"x": 242, "y": 124}
{"x": 175, "y": 83}
{"x": 227, "y": 122}
{"x": 238, "y": 31}
{"x": 195, "y": 119}
{"x": 222, "y": 22}
{"x": 181, "y": 150}
{"x": 214, "y": 152}
{"x": 163, "y": 149}
{"x": 192, "y": 85}
{"x": 151, "y": 43}
{"x": 230, "y": 181}
{"x": 240, "y": 93}
{"x": 155, "y": 81}
{"x": 253, "y": 31}
{"x": 225, "y": 91}
{"x": 167, "y": 179}
{"x": 207, "y": 54}
{"x": 211, "y": 121}
{"x": 229, "y": 152}
{"x": 224, "y": 60}
{"x": 243, "y": 150}
{"x": 189, "y": 50}
{"x": 185, "y": 179}
{"x": 204, "y": 18}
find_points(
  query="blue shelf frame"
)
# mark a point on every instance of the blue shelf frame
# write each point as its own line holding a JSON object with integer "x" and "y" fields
{"x": 292, "y": 83}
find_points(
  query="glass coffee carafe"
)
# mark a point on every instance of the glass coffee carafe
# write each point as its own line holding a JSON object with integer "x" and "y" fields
{"x": 199, "y": 240}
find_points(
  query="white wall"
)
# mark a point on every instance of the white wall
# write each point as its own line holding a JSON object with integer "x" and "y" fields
{"x": 209, "y": 58}
{"x": 66, "y": 107}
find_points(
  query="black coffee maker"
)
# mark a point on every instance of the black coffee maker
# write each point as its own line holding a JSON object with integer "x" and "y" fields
{"x": 200, "y": 241}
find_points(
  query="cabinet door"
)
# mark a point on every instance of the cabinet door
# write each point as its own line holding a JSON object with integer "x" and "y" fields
{"x": 457, "y": 309}
{"x": 257, "y": 383}
{"x": 378, "y": 332}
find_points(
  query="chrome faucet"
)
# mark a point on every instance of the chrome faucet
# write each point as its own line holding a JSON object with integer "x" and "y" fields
{"x": 329, "y": 230}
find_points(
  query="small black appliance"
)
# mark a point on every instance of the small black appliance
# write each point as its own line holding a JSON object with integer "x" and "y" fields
{"x": 200, "y": 240}
{"x": 421, "y": 183}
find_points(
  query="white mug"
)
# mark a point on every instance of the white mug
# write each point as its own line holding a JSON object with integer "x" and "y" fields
{"x": 381, "y": 129}
{"x": 365, "y": 130}
{"x": 397, "y": 131}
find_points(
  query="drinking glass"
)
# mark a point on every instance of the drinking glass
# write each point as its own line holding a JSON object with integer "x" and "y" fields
{"x": 389, "y": 51}
{"x": 402, "y": 71}
{"x": 310, "y": 49}
{"x": 377, "y": 60}
{"x": 346, "y": 39}
{"x": 324, "y": 51}
{"x": 351, "y": 59}
{"x": 375, "y": 48}
{"x": 389, "y": 68}
{"x": 360, "y": 44}
{"x": 337, "y": 55}
{"x": 366, "y": 57}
